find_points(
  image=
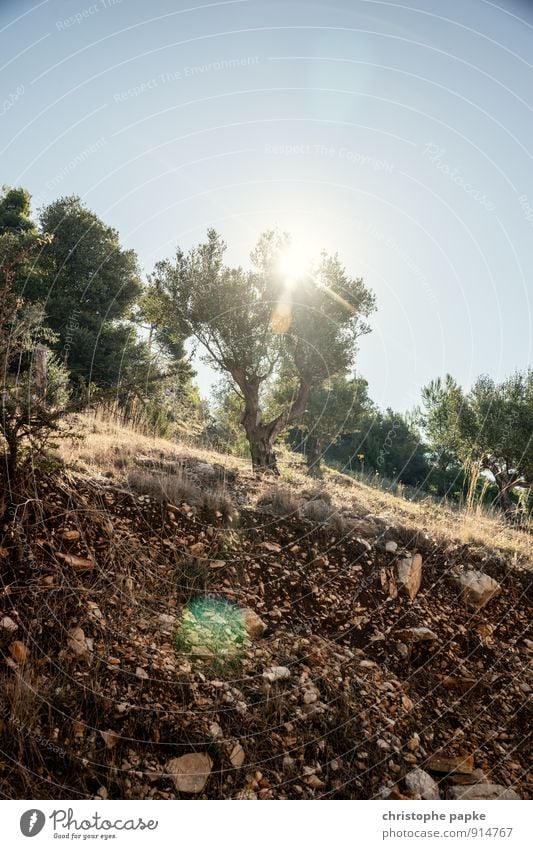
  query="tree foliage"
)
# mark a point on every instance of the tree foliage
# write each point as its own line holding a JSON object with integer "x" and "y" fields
{"x": 385, "y": 443}
{"x": 34, "y": 385}
{"x": 88, "y": 285}
{"x": 249, "y": 324}
{"x": 488, "y": 428}
{"x": 334, "y": 408}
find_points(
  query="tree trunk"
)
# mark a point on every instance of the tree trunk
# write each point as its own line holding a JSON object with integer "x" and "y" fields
{"x": 262, "y": 436}
{"x": 262, "y": 450}
{"x": 313, "y": 450}
{"x": 505, "y": 484}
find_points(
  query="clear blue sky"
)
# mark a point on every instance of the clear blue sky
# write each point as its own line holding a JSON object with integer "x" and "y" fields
{"x": 398, "y": 134}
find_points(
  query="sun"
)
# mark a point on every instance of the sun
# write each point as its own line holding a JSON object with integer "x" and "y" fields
{"x": 294, "y": 261}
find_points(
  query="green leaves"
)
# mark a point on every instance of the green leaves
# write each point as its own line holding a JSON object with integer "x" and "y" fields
{"x": 491, "y": 425}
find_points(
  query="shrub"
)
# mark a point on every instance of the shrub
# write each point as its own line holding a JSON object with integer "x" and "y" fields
{"x": 280, "y": 501}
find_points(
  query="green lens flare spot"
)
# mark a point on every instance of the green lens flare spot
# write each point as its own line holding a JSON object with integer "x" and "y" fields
{"x": 211, "y": 632}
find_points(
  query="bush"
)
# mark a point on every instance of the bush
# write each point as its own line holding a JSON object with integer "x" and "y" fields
{"x": 279, "y": 501}
{"x": 176, "y": 488}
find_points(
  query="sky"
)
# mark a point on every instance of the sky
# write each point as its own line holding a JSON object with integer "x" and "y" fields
{"x": 395, "y": 134}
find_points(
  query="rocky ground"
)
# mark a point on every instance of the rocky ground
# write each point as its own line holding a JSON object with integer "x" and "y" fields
{"x": 280, "y": 648}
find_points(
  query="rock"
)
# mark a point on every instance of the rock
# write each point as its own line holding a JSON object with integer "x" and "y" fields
{"x": 420, "y": 784}
{"x": 77, "y": 642}
{"x": 477, "y": 588}
{"x": 68, "y": 535}
{"x": 481, "y": 792}
{"x": 190, "y": 772}
{"x": 205, "y": 469}
{"x": 19, "y": 651}
{"x": 365, "y": 528}
{"x": 409, "y": 574}
{"x": 7, "y": 624}
{"x": 311, "y": 695}
{"x": 271, "y": 546}
{"x": 385, "y": 792}
{"x": 391, "y": 546}
{"x": 141, "y": 673}
{"x": 415, "y": 635}
{"x": 166, "y": 619}
{"x": 246, "y": 793}
{"x": 276, "y": 673}
{"x": 314, "y": 781}
{"x": 414, "y": 743}
{"x": 289, "y": 764}
{"x": 253, "y": 623}
{"x": 451, "y": 763}
{"x": 388, "y": 582}
{"x": 402, "y": 650}
{"x": 462, "y": 684}
{"x": 80, "y": 563}
{"x": 237, "y": 755}
{"x": 110, "y": 738}
{"x": 476, "y": 777}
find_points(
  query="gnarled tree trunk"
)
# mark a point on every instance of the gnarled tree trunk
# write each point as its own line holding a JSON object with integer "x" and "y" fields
{"x": 506, "y": 481}
{"x": 314, "y": 452}
{"x": 262, "y": 435}
{"x": 504, "y": 489}
{"x": 262, "y": 450}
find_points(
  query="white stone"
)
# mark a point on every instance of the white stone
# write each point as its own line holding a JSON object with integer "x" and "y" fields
{"x": 473, "y": 792}
{"x": 190, "y": 772}
{"x": 276, "y": 673}
{"x": 409, "y": 574}
{"x": 476, "y": 587}
{"x": 420, "y": 784}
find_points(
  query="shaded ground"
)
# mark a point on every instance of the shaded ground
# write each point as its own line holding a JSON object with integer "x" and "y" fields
{"x": 95, "y": 701}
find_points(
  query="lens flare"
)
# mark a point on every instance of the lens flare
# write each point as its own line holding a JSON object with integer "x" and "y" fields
{"x": 281, "y": 319}
{"x": 211, "y": 632}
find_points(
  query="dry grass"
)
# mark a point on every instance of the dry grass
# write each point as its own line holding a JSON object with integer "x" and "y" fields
{"x": 109, "y": 449}
{"x": 478, "y": 526}
{"x": 212, "y": 505}
{"x": 279, "y": 501}
{"x": 439, "y": 520}
{"x": 107, "y": 446}
{"x": 174, "y": 488}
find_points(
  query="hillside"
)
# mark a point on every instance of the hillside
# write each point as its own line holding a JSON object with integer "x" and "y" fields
{"x": 289, "y": 638}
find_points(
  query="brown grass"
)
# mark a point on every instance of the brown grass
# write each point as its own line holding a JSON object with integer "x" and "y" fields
{"x": 279, "y": 501}
{"x": 176, "y": 489}
{"x": 111, "y": 450}
{"x": 163, "y": 487}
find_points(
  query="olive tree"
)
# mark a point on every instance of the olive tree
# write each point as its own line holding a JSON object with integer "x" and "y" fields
{"x": 488, "y": 428}
{"x": 252, "y": 322}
